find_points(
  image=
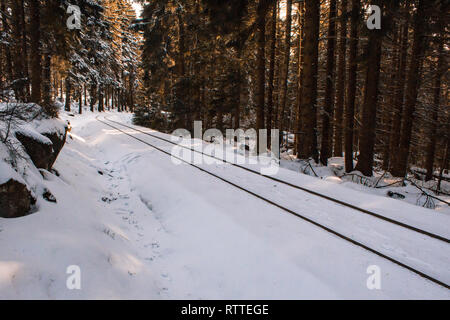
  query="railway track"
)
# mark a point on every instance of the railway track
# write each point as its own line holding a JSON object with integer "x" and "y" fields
{"x": 340, "y": 202}
{"x": 292, "y": 212}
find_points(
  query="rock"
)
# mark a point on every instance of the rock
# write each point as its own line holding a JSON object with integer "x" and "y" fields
{"x": 40, "y": 151}
{"x": 47, "y": 195}
{"x": 15, "y": 199}
{"x": 43, "y": 152}
{"x": 395, "y": 195}
{"x": 58, "y": 142}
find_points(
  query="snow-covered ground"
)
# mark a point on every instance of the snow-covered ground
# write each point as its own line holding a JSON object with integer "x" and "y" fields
{"x": 139, "y": 226}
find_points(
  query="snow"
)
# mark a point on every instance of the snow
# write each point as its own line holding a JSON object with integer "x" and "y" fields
{"x": 28, "y": 131}
{"x": 56, "y": 125}
{"x": 28, "y": 120}
{"x": 7, "y": 173}
{"x": 139, "y": 226}
{"x": 384, "y": 182}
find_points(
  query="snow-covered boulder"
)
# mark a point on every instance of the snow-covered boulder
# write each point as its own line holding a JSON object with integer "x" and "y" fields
{"x": 43, "y": 140}
{"x": 333, "y": 179}
{"x": 58, "y": 141}
{"x": 15, "y": 197}
{"x": 38, "y": 147}
{"x": 30, "y": 142}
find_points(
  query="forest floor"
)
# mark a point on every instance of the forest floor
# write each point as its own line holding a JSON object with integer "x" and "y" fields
{"x": 139, "y": 226}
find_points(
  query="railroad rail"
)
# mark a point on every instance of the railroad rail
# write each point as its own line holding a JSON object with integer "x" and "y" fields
{"x": 340, "y": 202}
{"x": 315, "y": 223}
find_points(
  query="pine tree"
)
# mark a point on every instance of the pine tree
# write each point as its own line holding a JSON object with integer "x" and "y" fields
{"x": 309, "y": 84}
{"x": 412, "y": 84}
{"x": 328, "y": 109}
{"x": 351, "y": 86}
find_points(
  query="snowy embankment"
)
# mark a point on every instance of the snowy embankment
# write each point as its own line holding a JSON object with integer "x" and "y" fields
{"x": 30, "y": 142}
{"x": 139, "y": 226}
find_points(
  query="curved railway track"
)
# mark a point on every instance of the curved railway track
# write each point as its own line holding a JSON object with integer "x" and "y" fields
{"x": 340, "y": 202}
{"x": 317, "y": 224}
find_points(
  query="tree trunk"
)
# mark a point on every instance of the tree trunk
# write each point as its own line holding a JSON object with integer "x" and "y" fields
{"x": 351, "y": 86}
{"x": 411, "y": 91}
{"x": 68, "y": 94}
{"x": 106, "y": 95}
{"x": 1, "y": 69}
{"x": 398, "y": 98}
{"x": 261, "y": 73}
{"x": 328, "y": 108}
{"x": 340, "y": 83}
{"x": 47, "y": 86}
{"x": 131, "y": 92}
{"x": 19, "y": 86}
{"x": 36, "y": 67}
{"x": 6, "y": 48}
{"x": 25, "y": 51}
{"x": 431, "y": 148}
{"x": 285, "y": 72}
{"x": 93, "y": 96}
{"x": 445, "y": 161}
{"x": 119, "y": 100}
{"x": 369, "y": 110}
{"x": 309, "y": 89}
{"x": 237, "y": 92}
{"x": 298, "y": 118}
{"x": 85, "y": 94}
{"x": 80, "y": 100}
{"x": 100, "y": 107}
{"x": 273, "y": 42}
{"x": 390, "y": 100}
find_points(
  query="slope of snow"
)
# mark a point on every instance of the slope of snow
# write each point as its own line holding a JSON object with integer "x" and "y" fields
{"x": 140, "y": 227}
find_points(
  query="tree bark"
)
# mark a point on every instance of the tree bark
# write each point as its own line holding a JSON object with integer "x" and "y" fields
{"x": 431, "y": 148}
{"x": 340, "y": 83}
{"x": 309, "y": 89}
{"x": 273, "y": 34}
{"x": 6, "y": 48}
{"x": 445, "y": 160}
{"x": 237, "y": 92}
{"x": 68, "y": 94}
{"x": 25, "y": 51}
{"x": 328, "y": 108}
{"x": 100, "y": 98}
{"x": 261, "y": 73}
{"x": 369, "y": 110}
{"x": 411, "y": 91}
{"x": 19, "y": 85}
{"x": 36, "y": 66}
{"x": 80, "y": 100}
{"x": 298, "y": 118}
{"x": 286, "y": 59}
{"x": 85, "y": 94}
{"x": 47, "y": 87}
{"x": 93, "y": 96}
{"x": 398, "y": 100}
{"x": 390, "y": 100}
{"x": 351, "y": 87}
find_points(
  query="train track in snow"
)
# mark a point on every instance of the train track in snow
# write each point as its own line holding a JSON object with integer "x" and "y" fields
{"x": 292, "y": 212}
{"x": 317, "y": 194}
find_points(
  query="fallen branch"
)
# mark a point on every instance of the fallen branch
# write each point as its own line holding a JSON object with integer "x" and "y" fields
{"x": 426, "y": 193}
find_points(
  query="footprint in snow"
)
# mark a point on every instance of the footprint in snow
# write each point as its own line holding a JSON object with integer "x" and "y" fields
{"x": 165, "y": 276}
